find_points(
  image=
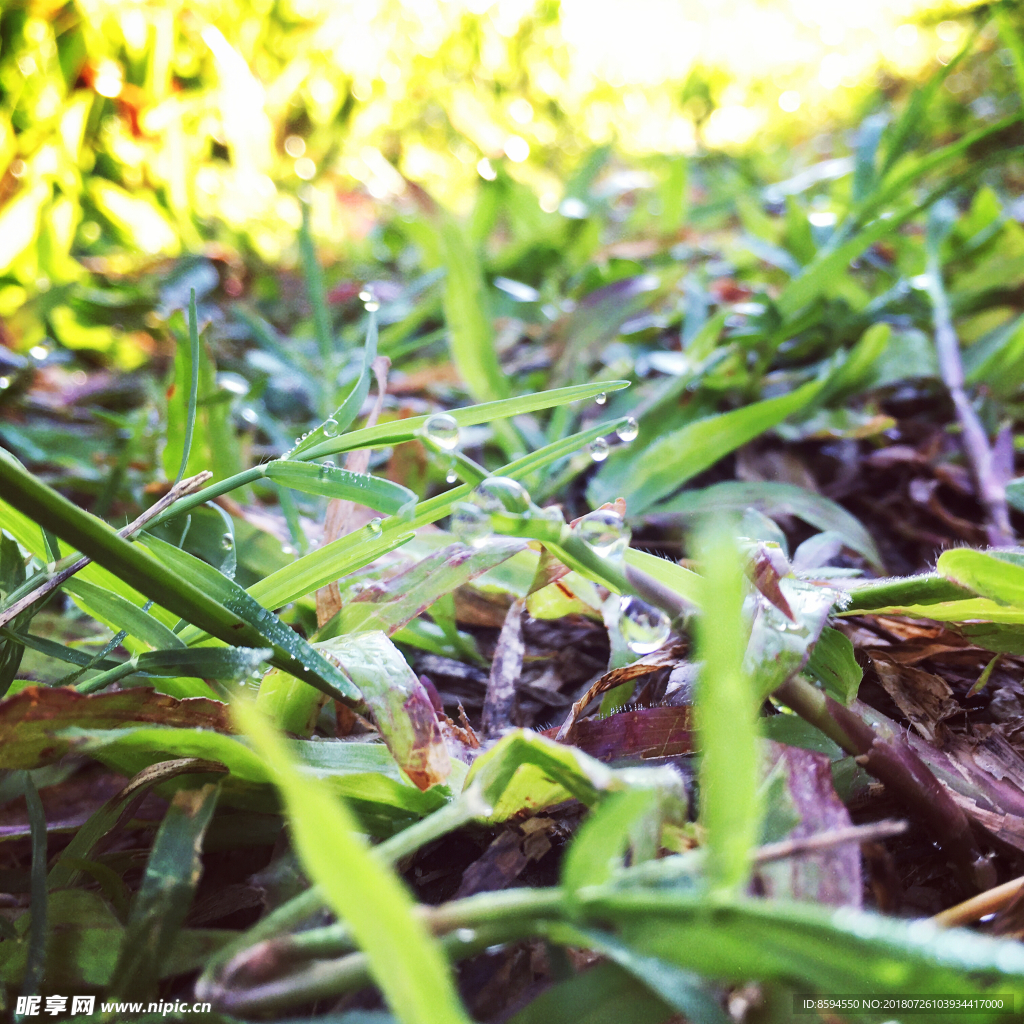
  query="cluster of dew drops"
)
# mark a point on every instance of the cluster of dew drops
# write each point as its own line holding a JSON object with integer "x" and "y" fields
{"x": 643, "y": 627}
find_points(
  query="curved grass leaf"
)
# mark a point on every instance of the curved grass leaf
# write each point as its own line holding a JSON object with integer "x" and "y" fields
{"x": 120, "y": 613}
{"x": 117, "y": 811}
{"x": 204, "y": 662}
{"x": 404, "y": 959}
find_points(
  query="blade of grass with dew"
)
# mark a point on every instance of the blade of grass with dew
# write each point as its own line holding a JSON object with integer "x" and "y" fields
{"x": 236, "y": 625}
{"x": 395, "y": 432}
{"x": 405, "y": 961}
{"x": 726, "y": 714}
{"x": 333, "y": 482}
{"x": 159, "y": 908}
{"x": 355, "y": 550}
{"x": 289, "y": 647}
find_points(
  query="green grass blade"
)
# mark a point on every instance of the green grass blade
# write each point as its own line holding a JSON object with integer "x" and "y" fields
{"x": 314, "y": 277}
{"x": 113, "y": 608}
{"x": 159, "y": 909}
{"x": 467, "y": 313}
{"x": 405, "y": 961}
{"x": 139, "y": 569}
{"x": 333, "y": 482}
{"x": 396, "y": 431}
{"x": 193, "y": 391}
{"x": 116, "y": 811}
{"x": 666, "y": 464}
{"x": 726, "y": 715}
{"x": 35, "y": 965}
{"x": 205, "y": 662}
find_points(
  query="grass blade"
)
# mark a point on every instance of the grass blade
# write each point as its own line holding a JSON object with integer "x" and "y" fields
{"x": 405, "y": 961}
{"x": 726, "y": 715}
{"x": 159, "y": 908}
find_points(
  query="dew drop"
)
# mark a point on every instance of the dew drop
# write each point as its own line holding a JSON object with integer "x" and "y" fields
{"x": 5, "y": 383}
{"x": 39, "y": 352}
{"x": 227, "y": 542}
{"x": 372, "y": 307}
{"x": 501, "y": 494}
{"x": 604, "y": 532}
{"x": 451, "y": 476}
{"x": 628, "y": 431}
{"x": 599, "y": 449}
{"x": 287, "y": 549}
{"x": 329, "y": 464}
{"x": 643, "y": 627}
{"x": 331, "y": 427}
{"x": 465, "y": 934}
{"x": 601, "y": 398}
{"x": 365, "y": 296}
{"x": 442, "y": 430}
{"x": 471, "y": 524}
{"x": 374, "y": 526}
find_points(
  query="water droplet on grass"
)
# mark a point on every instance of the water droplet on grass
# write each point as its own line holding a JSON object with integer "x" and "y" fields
{"x": 599, "y": 449}
{"x": 374, "y": 526}
{"x": 227, "y": 542}
{"x": 501, "y": 494}
{"x": 471, "y": 524}
{"x": 331, "y": 427}
{"x": 601, "y": 398}
{"x": 442, "y": 430}
{"x": 643, "y": 627}
{"x": 628, "y": 431}
{"x": 604, "y": 532}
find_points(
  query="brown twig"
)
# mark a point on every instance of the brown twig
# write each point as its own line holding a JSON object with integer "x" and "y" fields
{"x": 66, "y": 571}
{"x": 989, "y": 902}
{"x": 827, "y": 840}
{"x": 987, "y": 462}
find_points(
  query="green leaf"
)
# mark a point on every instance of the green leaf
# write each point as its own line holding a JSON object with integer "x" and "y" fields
{"x": 599, "y": 845}
{"x": 205, "y": 662}
{"x": 159, "y": 908}
{"x": 120, "y": 613}
{"x": 605, "y": 994}
{"x": 405, "y": 961}
{"x": 467, "y": 313}
{"x": 773, "y": 499}
{"x": 832, "y": 663}
{"x": 986, "y": 574}
{"x": 332, "y": 482}
{"x": 665, "y": 465}
{"x": 726, "y": 714}
{"x": 291, "y": 651}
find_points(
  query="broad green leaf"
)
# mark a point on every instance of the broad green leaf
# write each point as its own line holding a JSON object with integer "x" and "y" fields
{"x": 832, "y": 663}
{"x": 726, "y": 712}
{"x": 887, "y": 594}
{"x": 168, "y": 885}
{"x": 332, "y": 482}
{"x": 120, "y": 613}
{"x": 404, "y": 959}
{"x": 524, "y": 770}
{"x": 664, "y": 466}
